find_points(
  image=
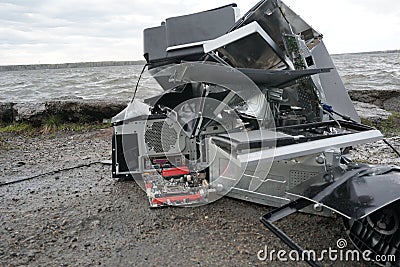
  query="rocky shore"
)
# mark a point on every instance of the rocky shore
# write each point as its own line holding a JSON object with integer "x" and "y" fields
{"x": 384, "y": 99}
{"x": 374, "y": 106}
{"x": 66, "y": 110}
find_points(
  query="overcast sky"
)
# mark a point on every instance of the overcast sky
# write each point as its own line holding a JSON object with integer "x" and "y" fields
{"x": 55, "y": 31}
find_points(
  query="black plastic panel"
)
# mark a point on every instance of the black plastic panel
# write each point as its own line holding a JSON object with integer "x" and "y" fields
{"x": 199, "y": 27}
{"x": 127, "y": 152}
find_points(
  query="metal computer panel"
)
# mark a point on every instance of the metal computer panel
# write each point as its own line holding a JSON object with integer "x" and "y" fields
{"x": 334, "y": 90}
{"x": 282, "y": 176}
{"x": 273, "y": 16}
{"x": 151, "y": 137}
{"x": 312, "y": 147}
{"x": 249, "y": 47}
{"x": 163, "y": 137}
{"x": 264, "y": 175}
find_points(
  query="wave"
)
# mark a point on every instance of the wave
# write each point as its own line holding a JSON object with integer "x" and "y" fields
{"x": 359, "y": 71}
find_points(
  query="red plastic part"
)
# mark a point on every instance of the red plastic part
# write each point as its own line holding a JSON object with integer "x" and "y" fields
{"x": 160, "y": 161}
{"x": 175, "y": 171}
{"x": 164, "y": 200}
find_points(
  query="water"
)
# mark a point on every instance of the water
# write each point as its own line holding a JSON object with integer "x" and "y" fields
{"x": 117, "y": 82}
{"x": 377, "y": 71}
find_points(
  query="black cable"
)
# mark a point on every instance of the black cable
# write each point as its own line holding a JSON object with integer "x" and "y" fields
{"x": 284, "y": 16}
{"x": 52, "y": 172}
{"x": 345, "y": 117}
{"x": 137, "y": 84}
{"x": 392, "y": 147}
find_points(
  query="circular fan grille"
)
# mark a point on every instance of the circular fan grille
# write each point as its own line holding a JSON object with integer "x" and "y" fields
{"x": 160, "y": 137}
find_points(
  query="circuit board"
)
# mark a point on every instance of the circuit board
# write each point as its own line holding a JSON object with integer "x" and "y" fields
{"x": 168, "y": 185}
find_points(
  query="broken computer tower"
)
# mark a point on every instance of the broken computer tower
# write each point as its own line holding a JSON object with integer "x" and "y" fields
{"x": 253, "y": 108}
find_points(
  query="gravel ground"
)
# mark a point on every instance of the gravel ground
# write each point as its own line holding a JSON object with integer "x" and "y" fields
{"x": 82, "y": 217}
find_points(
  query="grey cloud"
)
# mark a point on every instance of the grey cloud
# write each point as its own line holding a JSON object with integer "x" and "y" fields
{"x": 93, "y": 18}
{"x": 103, "y": 25}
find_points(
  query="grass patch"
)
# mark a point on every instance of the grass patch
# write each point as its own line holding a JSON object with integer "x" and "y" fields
{"x": 50, "y": 126}
{"x": 389, "y": 127}
{"x": 79, "y": 127}
{"x": 14, "y": 129}
{"x": 17, "y": 128}
{"x": 72, "y": 127}
{"x": 392, "y": 125}
{"x": 56, "y": 123}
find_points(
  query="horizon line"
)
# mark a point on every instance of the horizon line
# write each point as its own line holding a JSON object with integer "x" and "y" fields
{"x": 140, "y": 61}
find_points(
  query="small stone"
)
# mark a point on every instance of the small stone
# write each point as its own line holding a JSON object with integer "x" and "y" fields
{"x": 371, "y": 112}
{"x": 31, "y": 253}
{"x": 20, "y": 163}
{"x": 29, "y": 239}
{"x": 95, "y": 223}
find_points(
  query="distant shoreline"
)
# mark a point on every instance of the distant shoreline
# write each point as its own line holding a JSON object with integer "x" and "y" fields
{"x": 70, "y": 65}
{"x": 125, "y": 63}
{"x": 369, "y": 53}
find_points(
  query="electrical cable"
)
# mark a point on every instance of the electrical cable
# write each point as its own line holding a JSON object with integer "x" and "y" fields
{"x": 286, "y": 19}
{"x": 54, "y": 172}
{"x": 392, "y": 147}
{"x": 137, "y": 84}
{"x": 333, "y": 118}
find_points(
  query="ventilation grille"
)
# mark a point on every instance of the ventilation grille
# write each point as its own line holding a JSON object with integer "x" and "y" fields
{"x": 160, "y": 137}
{"x": 298, "y": 177}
